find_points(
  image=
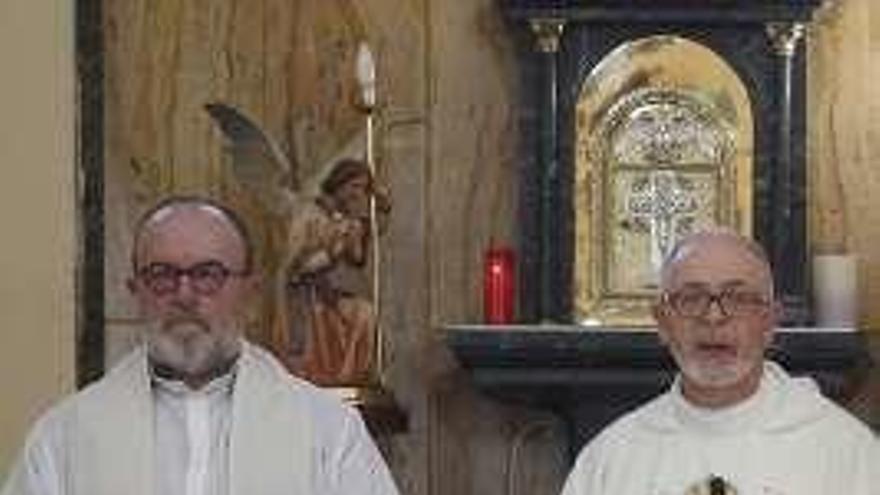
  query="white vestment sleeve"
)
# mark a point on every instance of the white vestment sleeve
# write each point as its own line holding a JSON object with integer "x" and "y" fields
{"x": 37, "y": 470}
{"x": 860, "y": 473}
{"x": 585, "y": 478}
{"x": 349, "y": 462}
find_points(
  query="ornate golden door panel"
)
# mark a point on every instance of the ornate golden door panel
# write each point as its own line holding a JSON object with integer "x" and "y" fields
{"x": 663, "y": 147}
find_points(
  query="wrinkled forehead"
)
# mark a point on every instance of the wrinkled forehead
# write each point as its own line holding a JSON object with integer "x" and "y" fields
{"x": 717, "y": 261}
{"x": 190, "y": 231}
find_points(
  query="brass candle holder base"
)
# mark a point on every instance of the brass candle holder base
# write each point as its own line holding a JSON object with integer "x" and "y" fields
{"x": 378, "y": 407}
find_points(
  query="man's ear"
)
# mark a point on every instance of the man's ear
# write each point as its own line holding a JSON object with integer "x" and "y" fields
{"x": 774, "y": 316}
{"x": 661, "y": 316}
{"x": 131, "y": 284}
{"x": 776, "y": 311}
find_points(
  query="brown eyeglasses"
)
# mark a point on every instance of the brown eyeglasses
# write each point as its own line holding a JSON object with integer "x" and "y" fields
{"x": 731, "y": 302}
{"x": 205, "y": 278}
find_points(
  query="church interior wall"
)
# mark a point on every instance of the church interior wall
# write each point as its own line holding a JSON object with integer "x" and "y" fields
{"x": 448, "y": 85}
{"x": 842, "y": 152}
{"x": 37, "y": 212}
{"x": 843, "y": 47}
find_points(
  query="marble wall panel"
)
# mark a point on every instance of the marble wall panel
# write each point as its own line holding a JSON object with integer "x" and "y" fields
{"x": 842, "y": 145}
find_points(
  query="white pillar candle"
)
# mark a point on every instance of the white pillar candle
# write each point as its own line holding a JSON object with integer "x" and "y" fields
{"x": 835, "y": 290}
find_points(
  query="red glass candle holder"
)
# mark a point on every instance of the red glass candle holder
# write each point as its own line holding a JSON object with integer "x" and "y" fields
{"x": 499, "y": 277}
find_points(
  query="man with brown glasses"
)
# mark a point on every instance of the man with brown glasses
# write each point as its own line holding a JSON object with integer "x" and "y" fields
{"x": 732, "y": 422}
{"x": 197, "y": 410}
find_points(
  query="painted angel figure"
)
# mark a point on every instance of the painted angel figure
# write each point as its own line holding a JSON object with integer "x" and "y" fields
{"x": 326, "y": 320}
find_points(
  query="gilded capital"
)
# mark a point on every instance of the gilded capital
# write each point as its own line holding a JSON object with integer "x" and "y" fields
{"x": 547, "y": 33}
{"x": 785, "y": 37}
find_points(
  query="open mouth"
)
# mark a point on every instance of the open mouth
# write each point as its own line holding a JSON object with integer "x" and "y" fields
{"x": 716, "y": 350}
{"x": 186, "y": 326}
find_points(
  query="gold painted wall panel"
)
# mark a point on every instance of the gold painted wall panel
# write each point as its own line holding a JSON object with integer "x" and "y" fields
{"x": 471, "y": 191}
{"x": 843, "y": 149}
{"x": 844, "y": 142}
{"x": 448, "y": 143}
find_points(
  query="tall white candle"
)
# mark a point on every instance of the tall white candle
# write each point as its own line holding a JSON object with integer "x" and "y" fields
{"x": 365, "y": 71}
{"x": 835, "y": 290}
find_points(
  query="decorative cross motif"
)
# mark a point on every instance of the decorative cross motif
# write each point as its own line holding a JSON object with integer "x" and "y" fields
{"x": 660, "y": 202}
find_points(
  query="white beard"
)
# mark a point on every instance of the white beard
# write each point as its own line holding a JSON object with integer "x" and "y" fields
{"x": 714, "y": 375}
{"x": 189, "y": 346}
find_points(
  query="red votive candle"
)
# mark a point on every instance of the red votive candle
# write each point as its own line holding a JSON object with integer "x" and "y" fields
{"x": 498, "y": 285}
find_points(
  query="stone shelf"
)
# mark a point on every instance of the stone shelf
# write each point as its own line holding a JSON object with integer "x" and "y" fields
{"x": 590, "y": 375}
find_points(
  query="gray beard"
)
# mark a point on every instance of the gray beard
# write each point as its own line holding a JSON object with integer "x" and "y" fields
{"x": 188, "y": 349}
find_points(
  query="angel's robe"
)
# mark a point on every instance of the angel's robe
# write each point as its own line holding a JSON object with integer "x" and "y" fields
{"x": 327, "y": 321}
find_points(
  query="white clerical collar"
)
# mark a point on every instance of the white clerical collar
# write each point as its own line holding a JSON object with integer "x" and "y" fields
{"x": 732, "y": 419}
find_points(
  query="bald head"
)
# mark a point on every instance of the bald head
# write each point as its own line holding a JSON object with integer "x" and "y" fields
{"x": 721, "y": 241}
{"x": 202, "y": 210}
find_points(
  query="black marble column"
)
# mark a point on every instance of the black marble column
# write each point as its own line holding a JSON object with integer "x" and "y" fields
{"x": 90, "y": 164}
{"x": 788, "y": 245}
{"x": 547, "y": 36}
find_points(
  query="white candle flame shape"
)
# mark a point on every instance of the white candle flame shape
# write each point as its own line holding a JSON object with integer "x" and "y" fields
{"x": 365, "y": 71}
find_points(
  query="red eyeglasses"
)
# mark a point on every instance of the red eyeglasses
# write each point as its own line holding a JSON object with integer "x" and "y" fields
{"x": 205, "y": 278}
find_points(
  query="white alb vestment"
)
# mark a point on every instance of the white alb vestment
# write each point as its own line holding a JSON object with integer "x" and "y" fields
{"x": 787, "y": 439}
{"x": 257, "y": 430}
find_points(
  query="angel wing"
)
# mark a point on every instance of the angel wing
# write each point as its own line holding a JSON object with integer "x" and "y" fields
{"x": 257, "y": 161}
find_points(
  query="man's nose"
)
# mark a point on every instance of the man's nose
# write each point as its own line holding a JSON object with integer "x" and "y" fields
{"x": 185, "y": 293}
{"x": 715, "y": 312}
